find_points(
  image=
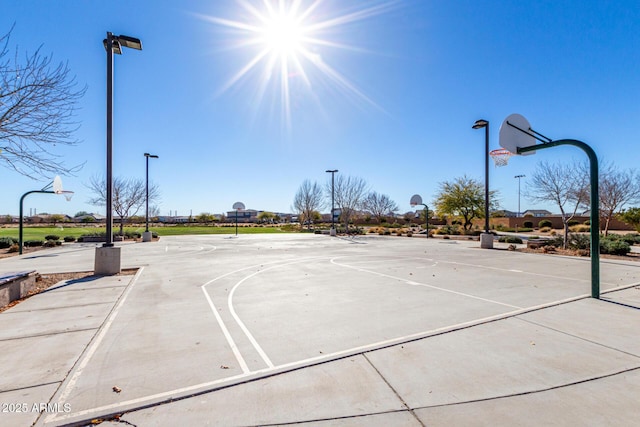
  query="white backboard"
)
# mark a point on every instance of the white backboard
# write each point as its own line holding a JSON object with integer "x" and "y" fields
{"x": 57, "y": 185}
{"x": 238, "y": 206}
{"x": 511, "y": 138}
{"x": 415, "y": 200}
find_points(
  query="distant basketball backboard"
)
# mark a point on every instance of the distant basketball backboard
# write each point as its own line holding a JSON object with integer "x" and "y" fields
{"x": 415, "y": 200}
{"x": 515, "y": 133}
{"x": 238, "y": 206}
{"x": 57, "y": 185}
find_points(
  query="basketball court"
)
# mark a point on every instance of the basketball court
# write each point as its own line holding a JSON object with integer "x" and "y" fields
{"x": 208, "y": 312}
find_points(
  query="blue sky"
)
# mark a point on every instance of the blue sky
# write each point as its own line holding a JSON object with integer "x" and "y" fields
{"x": 421, "y": 73}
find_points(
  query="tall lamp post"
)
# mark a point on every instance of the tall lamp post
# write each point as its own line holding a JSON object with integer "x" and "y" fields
{"x": 146, "y": 236}
{"x": 486, "y": 239}
{"x": 332, "y": 232}
{"x": 518, "y": 177}
{"x": 108, "y": 257}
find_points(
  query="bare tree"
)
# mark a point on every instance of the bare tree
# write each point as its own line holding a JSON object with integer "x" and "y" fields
{"x": 350, "y": 193}
{"x": 379, "y": 205}
{"x": 307, "y": 200}
{"x": 37, "y": 107}
{"x": 129, "y": 196}
{"x": 617, "y": 188}
{"x": 566, "y": 185}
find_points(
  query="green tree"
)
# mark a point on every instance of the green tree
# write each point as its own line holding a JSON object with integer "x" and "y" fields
{"x": 632, "y": 217}
{"x": 204, "y": 218}
{"x": 463, "y": 197}
{"x": 266, "y": 216}
{"x": 56, "y": 218}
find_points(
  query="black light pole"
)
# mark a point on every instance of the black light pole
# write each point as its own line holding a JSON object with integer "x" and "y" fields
{"x": 146, "y": 229}
{"x": 519, "y": 176}
{"x": 478, "y": 125}
{"x": 113, "y": 44}
{"x": 333, "y": 228}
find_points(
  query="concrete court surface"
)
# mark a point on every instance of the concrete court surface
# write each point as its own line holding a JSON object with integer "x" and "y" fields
{"x": 320, "y": 331}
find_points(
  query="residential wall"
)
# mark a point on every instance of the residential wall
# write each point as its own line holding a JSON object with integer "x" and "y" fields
{"x": 556, "y": 222}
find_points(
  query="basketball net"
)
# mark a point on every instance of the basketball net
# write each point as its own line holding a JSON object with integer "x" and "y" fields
{"x": 67, "y": 194}
{"x": 500, "y": 157}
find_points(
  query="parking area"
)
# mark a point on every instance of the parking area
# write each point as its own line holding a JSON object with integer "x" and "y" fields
{"x": 211, "y": 316}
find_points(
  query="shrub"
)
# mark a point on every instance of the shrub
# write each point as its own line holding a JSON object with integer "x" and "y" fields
{"x": 14, "y": 248}
{"x": 614, "y": 247}
{"x": 409, "y": 234}
{"x": 49, "y": 243}
{"x": 572, "y": 222}
{"x": 556, "y": 242}
{"x": 578, "y": 241}
{"x": 509, "y": 239}
{"x": 6, "y": 242}
{"x": 631, "y": 238}
{"x": 545, "y": 223}
{"x": 580, "y": 228}
{"x": 33, "y": 243}
{"x": 527, "y": 224}
{"x": 69, "y": 239}
{"x": 52, "y": 237}
{"x": 587, "y": 222}
{"x": 448, "y": 229}
{"x": 545, "y": 229}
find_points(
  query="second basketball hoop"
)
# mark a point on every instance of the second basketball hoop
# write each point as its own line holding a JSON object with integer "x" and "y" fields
{"x": 500, "y": 156}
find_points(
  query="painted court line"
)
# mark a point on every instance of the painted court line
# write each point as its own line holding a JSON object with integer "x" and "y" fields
{"x": 409, "y": 282}
{"x": 93, "y": 347}
{"x": 225, "y": 330}
{"x": 159, "y": 398}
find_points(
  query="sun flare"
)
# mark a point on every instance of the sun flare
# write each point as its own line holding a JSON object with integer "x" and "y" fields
{"x": 291, "y": 39}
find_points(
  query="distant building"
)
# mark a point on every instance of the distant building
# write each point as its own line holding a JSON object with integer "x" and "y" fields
{"x": 536, "y": 213}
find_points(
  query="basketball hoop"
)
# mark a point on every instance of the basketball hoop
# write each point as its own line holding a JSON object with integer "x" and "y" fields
{"x": 67, "y": 194}
{"x": 500, "y": 157}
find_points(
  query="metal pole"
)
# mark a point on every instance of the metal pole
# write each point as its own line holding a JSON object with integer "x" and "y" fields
{"x": 519, "y": 196}
{"x": 332, "y": 200}
{"x": 147, "y": 199}
{"x": 236, "y": 222}
{"x": 486, "y": 178}
{"x": 20, "y": 227}
{"x": 426, "y": 217}
{"x": 595, "y": 205}
{"x": 109, "y": 198}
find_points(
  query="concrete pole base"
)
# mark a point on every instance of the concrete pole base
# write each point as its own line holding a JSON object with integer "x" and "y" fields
{"x": 332, "y": 232}
{"x": 147, "y": 236}
{"x": 107, "y": 261}
{"x": 486, "y": 241}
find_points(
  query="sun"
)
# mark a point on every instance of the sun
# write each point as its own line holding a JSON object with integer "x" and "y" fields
{"x": 283, "y": 35}
{"x": 291, "y": 39}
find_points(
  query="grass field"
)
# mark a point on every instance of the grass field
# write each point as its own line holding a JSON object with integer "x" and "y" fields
{"x": 39, "y": 233}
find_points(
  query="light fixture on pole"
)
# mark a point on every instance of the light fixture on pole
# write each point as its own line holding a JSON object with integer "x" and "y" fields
{"x": 486, "y": 239}
{"x": 146, "y": 236}
{"x": 518, "y": 177}
{"x": 332, "y": 232}
{"x": 108, "y": 261}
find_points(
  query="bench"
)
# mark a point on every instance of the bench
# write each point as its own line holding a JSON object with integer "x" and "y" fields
{"x": 16, "y": 285}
